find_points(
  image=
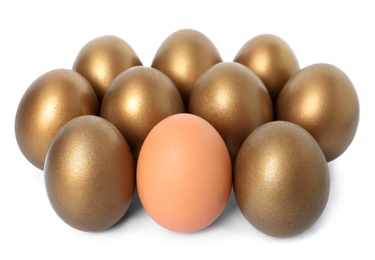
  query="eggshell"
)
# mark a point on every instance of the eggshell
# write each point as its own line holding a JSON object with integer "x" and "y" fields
{"x": 50, "y": 101}
{"x": 271, "y": 59}
{"x": 102, "y": 59}
{"x": 281, "y": 179}
{"x": 184, "y": 173}
{"x": 184, "y": 56}
{"x": 137, "y": 100}
{"x": 234, "y": 100}
{"x": 89, "y": 174}
{"x": 322, "y": 99}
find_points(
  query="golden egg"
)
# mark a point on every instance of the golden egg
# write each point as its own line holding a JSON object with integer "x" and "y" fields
{"x": 102, "y": 59}
{"x": 90, "y": 174}
{"x": 281, "y": 179}
{"x": 271, "y": 59}
{"x": 137, "y": 100}
{"x": 234, "y": 100}
{"x": 51, "y": 101}
{"x": 322, "y": 99}
{"x": 184, "y": 56}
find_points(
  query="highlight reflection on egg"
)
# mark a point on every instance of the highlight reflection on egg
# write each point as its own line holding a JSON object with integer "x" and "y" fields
{"x": 51, "y": 101}
{"x": 184, "y": 56}
{"x": 234, "y": 100}
{"x": 322, "y": 99}
{"x": 271, "y": 59}
{"x": 102, "y": 59}
{"x": 281, "y": 179}
{"x": 137, "y": 100}
{"x": 89, "y": 174}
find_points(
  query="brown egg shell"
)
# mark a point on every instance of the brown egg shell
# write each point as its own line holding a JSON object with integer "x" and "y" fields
{"x": 184, "y": 173}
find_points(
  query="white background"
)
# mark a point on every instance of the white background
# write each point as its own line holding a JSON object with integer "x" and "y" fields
{"x": 39, "y": 36}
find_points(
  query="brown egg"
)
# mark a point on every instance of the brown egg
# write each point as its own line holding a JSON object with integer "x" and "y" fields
{"x": 184, "y": 173}
{"x": 89, "y": 174}
{"x": 137, "y": 100}
{"x": 281, "y": 179}
{"x": 271, "y": 59}
{"x": 183, "y": 57}
{"x": 51, "y": 101}
{"x": 322, "y": 99}
{"x": 102, "y": 59}
{"x": 234, "y": 100}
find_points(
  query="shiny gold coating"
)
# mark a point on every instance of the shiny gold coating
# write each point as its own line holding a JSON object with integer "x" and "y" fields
{"x": 322, "y": 99}
{"x": 281, "y": 179}
{"x": 271, "y": 59}
{"x": 234, "y": 100}
{"x": 184, "y": 56}
{"x": 102, "y": 59}
{"x": 137, "y": 100}
{"x": 51, "y": 101}
{"x": 90, "y": 174}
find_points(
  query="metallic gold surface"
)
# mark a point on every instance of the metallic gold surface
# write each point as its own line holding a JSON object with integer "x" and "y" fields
{"x": 234, "y": 100}
{"x": 322, "y": 99}
{"x": 281, "y": 179}
{"x": 102, "y": 59}
{"x": 90, "y": 174}
{"x": 183, "y": 57}
{"x": 137, "y": 100}
{"x": 271, "y": 59}
{"x": 51, "y": 101}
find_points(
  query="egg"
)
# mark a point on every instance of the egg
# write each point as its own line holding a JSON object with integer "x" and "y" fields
{"x": 89, "y": 174}
{"x": 102, "y": 59}
{"x": 184, "y": 173}
{"x": 184, "y": 56}
{"x": 271, "y": 59}
{"x": 50, "y": 101}
{"x": 281, "y": 179}
{"x": 322, "y": 99}
{"x": 234, "y": 100}
{"x": 137, "y": 100}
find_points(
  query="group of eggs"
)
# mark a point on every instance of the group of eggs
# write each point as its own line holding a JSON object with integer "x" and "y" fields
{"x": 185, "y": 130}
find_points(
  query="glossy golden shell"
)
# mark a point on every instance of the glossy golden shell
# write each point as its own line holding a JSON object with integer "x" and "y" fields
{"x": 184, "y": 56}
{"x": 102, "y": 59}
{"x": 51, "y": 101}
{"x": 322, "y": 99}
{"x": 90, "y": 174}
{"x": 137, "y": 100}
{"x": 234, "y": 100}
{"x": 281, "y": 179}
{"x": 271, "y": 59}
